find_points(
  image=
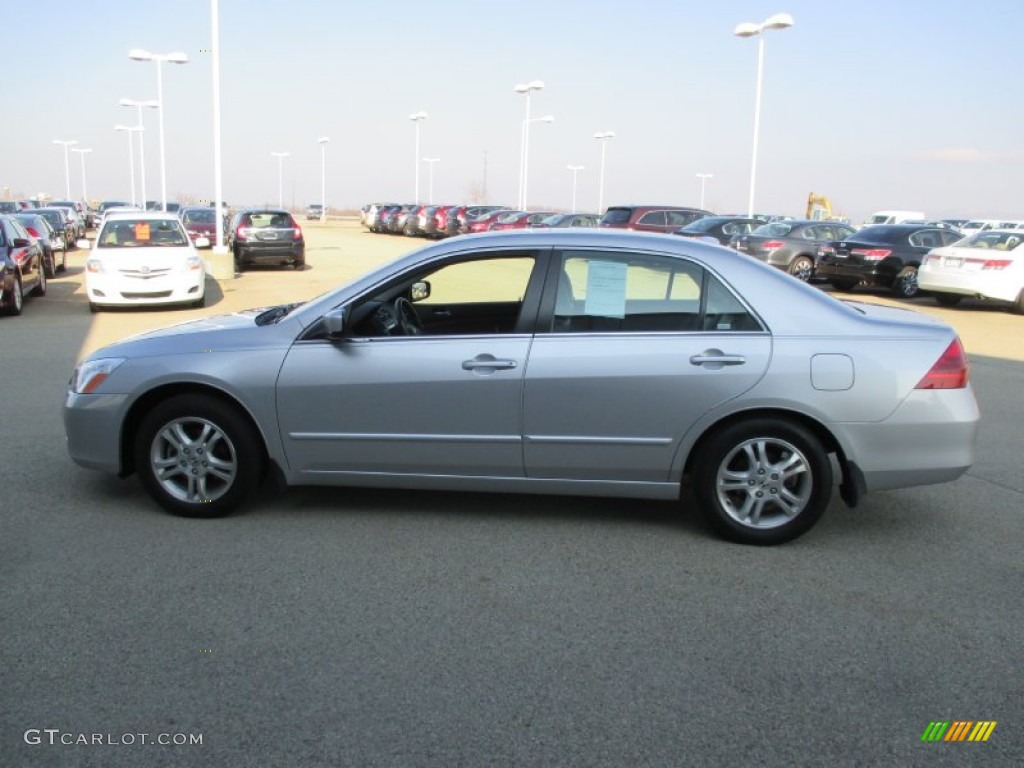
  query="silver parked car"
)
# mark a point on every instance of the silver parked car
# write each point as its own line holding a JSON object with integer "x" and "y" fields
{"x": 605, "y": 363}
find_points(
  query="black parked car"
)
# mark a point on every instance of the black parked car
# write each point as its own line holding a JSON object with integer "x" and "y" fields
{"x": 719, "y": 228}
{"x": 885, "y": 255}
{"x": 22, "y": 267}
{"x": 40, "y": 229}
{"x": 791, "y": 245}
{"x": 62, "y": 224}
{"x": 266, "y": 236}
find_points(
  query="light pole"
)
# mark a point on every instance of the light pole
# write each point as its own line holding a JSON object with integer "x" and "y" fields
{"x": 430, "y": 186}
{"x": 139, "y": 104}
{"x": 218, "y": 175}
{"x": 526, "y": 160}
{"x": 703, "y": 178}
{"x": 280, "y": 176}
{"x": 748, "y": 29}
{"x": 417, "y": 117}
{"x": 67, "y": 164}
{"x": 575, "y": 170}
{"x": 137, "y": 54}
{"x": 604, "y": 137}
{"x": 82, "y": 153}
{"x": 524, "y": 137}
{"x": 322, "y": 141}
{"x": 130, "y": 129}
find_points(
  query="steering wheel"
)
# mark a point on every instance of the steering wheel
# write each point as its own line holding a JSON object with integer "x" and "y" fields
{"x": 407, "y": 318}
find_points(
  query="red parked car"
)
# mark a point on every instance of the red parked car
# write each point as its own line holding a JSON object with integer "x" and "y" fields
{"x": 518, "y": 220}
{"x": 199, "y": 221}
{"x": 483, "y": 223}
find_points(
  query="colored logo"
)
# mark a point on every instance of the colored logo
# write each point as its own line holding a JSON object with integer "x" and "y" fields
{"x": 958, "y": 730}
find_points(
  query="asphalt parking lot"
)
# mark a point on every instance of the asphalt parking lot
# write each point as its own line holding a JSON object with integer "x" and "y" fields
{"x": 328, "y": 627}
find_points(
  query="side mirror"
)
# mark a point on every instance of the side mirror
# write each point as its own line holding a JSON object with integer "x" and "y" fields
{"x": 202, "y": 242}
{"x": 84, "y": 244}
{"x": 334, "y": 322}
{"x": 419, "y": 290}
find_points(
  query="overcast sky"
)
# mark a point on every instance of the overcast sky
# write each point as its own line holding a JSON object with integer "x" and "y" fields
{"x": 907, "y": 104}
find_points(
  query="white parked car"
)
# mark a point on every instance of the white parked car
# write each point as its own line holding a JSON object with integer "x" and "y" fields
{"x": 144, "y": 258}
{"x": 985, "y": 265}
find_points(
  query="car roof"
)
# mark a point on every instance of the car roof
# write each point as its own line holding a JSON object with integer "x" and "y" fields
{"x": 141, "y": 215}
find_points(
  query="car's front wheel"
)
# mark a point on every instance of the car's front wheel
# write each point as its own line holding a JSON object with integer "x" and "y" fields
{"x": 198, "y": 456}
{"x": 764, "y": 481}
{"x": 17, "y": 298}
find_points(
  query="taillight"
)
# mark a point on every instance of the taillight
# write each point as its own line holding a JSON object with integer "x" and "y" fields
{"x": 33, "y": 232}
{"x": 872, "y": 254}
{"x": 996, "y": 263}
{"x": 772, "y": 245}
{"x": 242, "y": 232}
{"x": 297, "y": 234}
{"x": 826, "y": 250}
{"x": 949, "y": 371}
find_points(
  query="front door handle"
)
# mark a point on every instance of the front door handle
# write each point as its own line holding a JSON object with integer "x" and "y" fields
{"x": 487, "y": 364}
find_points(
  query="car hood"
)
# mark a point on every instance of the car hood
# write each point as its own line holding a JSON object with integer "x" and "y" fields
{"x": 221, "y": 333}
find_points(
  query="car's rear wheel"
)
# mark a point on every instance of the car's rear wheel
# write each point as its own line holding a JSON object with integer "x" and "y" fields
{"x": 17, "y": 298}
{"x": 1018, "y": 305}
{"x": 764, "y": 481}
{"x": 63, "y": 261}
{"x": 844, "y": 285}
{"x": 94, "y": 307}
{"x": 948, "y": 299}
{"x": 50, "y": 266}
{"x": 802, "y": 268}
{"x": 198, "y": 456}
{"x": 905, "y": 284}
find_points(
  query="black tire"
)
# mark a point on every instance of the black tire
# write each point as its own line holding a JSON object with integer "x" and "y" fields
{"x": 205, "y": 477}
{"x": 94, "y": 307}
{"x": 18, "y": 300}
{"x": 1018, "y": 306}
{"x": 199, "y": 303}
{"x": 754, "y": 504}
{"x": 948, "y": 299}
{"x": 802, "y": 268}
{"x": 299, "y": 265}
{"x": 63, "y": 261}
{"x": 50, "y": 266}
{"x": 844, "y": 285}
{"x": 905, "y": 284}
{"x": 40, "y": 289}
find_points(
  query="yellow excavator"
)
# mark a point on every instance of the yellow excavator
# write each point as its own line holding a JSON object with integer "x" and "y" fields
{"x": 819, "y": 208}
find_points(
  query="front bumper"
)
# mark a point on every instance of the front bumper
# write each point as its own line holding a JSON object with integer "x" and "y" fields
{"x": 93, "y": 427}
{"x": 116, "y": 290}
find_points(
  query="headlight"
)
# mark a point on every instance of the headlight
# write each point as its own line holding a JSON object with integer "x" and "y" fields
{"x": 90, "y": 374}
{"x": 94, "y": 265}
{"x": 193, "y": 263}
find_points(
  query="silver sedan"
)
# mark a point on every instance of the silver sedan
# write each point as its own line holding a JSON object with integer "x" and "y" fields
{"x": 566, "y": 362}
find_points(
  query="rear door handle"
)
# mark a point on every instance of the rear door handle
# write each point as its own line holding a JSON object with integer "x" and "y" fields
{"x": 714, "y": 359}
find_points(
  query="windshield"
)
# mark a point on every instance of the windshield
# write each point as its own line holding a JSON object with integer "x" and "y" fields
{"x": 617, "y": 216}
{"x": 199, "y": 216}
{"x": 997, "y": 241}
{"x": 702, "y": 225}
{"x": 146, "y": 233}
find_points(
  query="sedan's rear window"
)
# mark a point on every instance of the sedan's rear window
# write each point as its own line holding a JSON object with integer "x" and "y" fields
{"x": 999, "y": 241}
{"x": 775, "y": 229}
{"x": 617, "y": 216}
{"x": 200, "y": 216}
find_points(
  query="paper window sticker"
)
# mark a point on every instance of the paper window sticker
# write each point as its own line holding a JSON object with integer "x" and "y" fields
{"x": 142, "y": 231}
{"x": 606, "y": 289}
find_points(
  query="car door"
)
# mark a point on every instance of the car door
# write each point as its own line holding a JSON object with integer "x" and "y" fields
{"x": 637, "y": 348}
{"x": 447, "y": 401}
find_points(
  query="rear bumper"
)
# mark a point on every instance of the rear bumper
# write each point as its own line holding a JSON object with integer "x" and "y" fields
{"x": 984, "y": 285}
{"x": 273, "y": 254}
{"x": 928, "y": 439}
